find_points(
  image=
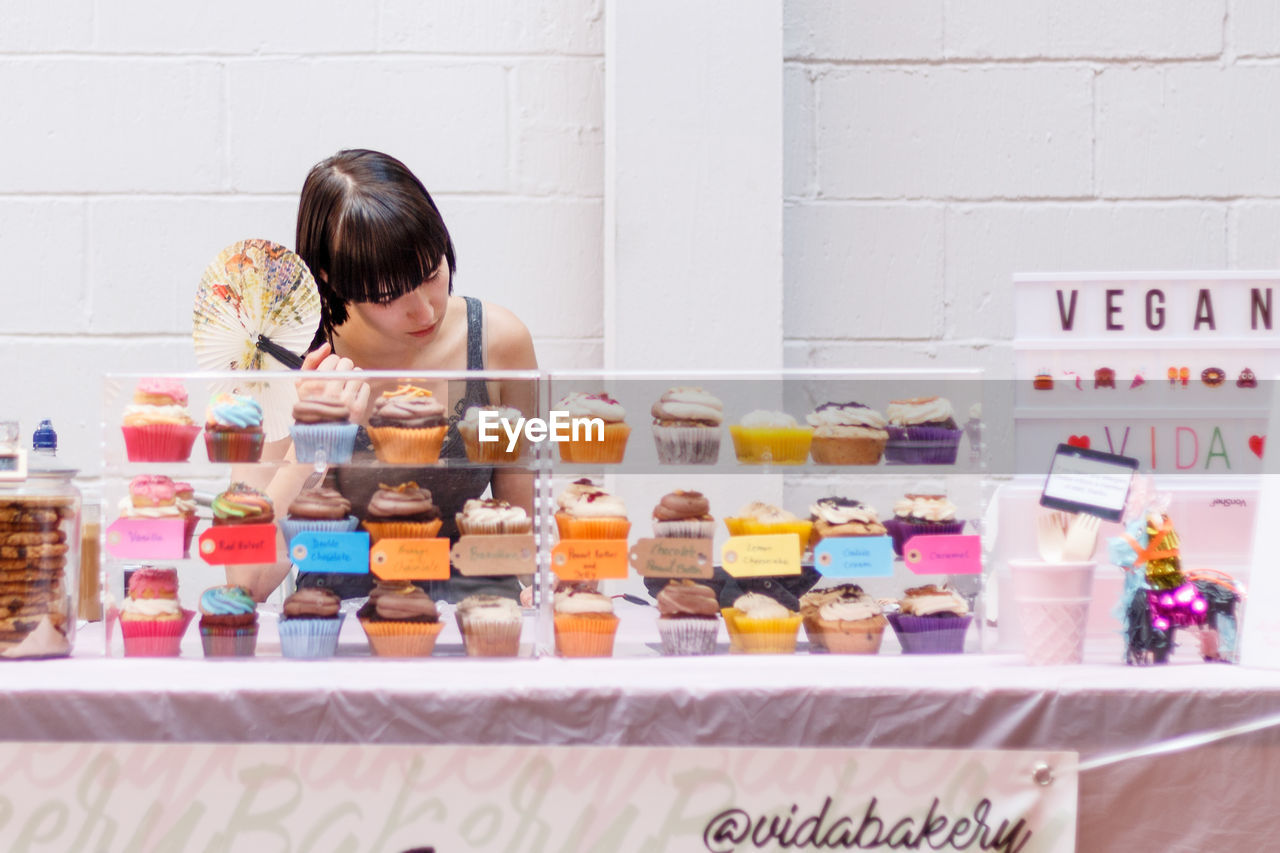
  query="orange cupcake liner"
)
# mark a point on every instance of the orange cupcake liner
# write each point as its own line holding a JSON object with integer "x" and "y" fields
{"x": 404, "y": 446}
{"x": 391, "y": 639}
{"x": 609, "y": 451}
{"x": 771, "y": 445}
{"x": 490, "y": 452}
{"x": 591, "y": 528}
{"x": 402, "y": 529}
{"x": 585, "y": 635}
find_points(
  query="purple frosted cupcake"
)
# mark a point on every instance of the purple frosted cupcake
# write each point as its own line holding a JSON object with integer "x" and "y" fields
{"x": 688, "y": 619}
{"x": 931, "y": 620}
{"x": 310, "y": 624}
{"x": 922, "y": 513}
{"x": 922, "y": 431}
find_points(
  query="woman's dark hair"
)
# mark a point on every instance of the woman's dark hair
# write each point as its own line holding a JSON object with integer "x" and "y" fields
{"x": 369, "y": 231}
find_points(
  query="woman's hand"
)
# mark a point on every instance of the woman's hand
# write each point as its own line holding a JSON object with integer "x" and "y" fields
{"x": 353, "y": 392}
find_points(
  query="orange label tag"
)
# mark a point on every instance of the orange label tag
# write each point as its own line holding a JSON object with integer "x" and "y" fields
{"x": 760, "y": 556}
{"x": 589, "y": 559}
{"x": 410, "y": 559}
{"x": 672, "y": 558}
{"x": 495, "y": 555}
{"x": 237, "y": 544}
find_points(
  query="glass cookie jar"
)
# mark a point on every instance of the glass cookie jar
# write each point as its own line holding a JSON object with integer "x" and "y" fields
{"x": 39, "y": 555}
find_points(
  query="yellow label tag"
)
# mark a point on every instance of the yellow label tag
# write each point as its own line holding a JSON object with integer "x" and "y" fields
{"x": 589, "y": 559}
{"x": 758, "y": 556}
{"x": 509, "y": 554}
{"x": 410, "y": 559}
{"x": 672, "y": 558}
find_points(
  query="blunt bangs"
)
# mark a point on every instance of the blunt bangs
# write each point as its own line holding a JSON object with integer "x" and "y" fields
{"x": 383, "y": 249}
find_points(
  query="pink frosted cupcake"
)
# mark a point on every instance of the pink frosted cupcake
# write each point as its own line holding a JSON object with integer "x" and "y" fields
{"x": 155, "y": 496}
{"x": 151, "y": 620}
{"x": 157, "y": 427}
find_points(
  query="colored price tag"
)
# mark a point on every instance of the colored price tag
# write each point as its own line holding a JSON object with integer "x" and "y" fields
{"x": 760, "y": 556}
{"x": 146, "y": 538}
{"x": 589, "y": 559}
{"x": 343, "y": 553}
{"x": 492, "y": 556}
{"x": 672, "y": 558}
{"x": 854, "y": 557}
{"x": 410, "y": 559}
{"x": 960, "y": 554}
{"x": 236, "y": 544}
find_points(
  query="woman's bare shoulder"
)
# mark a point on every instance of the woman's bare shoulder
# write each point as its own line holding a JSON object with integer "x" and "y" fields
{"x": 508, "y": 344}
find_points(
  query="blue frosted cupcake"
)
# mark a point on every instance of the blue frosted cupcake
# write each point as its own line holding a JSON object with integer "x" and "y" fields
{"x": 228, "y": 622}
{"x": 310, "y": 624}
{"x": 320, "y": 510}
{"x": 322, "y": 426}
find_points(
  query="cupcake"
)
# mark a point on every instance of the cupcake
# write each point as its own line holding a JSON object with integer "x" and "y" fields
{"x": 761, "y": 625}
{"x": 322, "y": 427}
{"x": 687, "y": 622}
{"x": 407, "y": 426}
{"x": 598, "y": 432}
{"x": 400, "y": 620}
{"x": 922, "y": 431}
{"x": 233, "y": 429}
{"x": 847, "y": 434}
{"x": 155, "y": 496}
{"x": 843, "y": 619}
{"x": 157, "y": 427}
{"x": 683, "y": 515}
{"x": 584, "y": 623}
{"x": 924, "y": 512}
{"x": 686, "y": 427}
{"x": 490, "y": 625}
{"x": 489, "y": 517}
{"x": 589, "y": 512}
{"x": 242, "y": 504}
{"x": 402, "y": 512}
{"x": 770, "y": 438}
{"x": 837, "y": 517}
{"x": 319, "y": 509}
{"x": 931, "y": 620}
{"x": 758, "y": 518}
{"x": 310, "y": 623}
{"x": 228, "y": 622}
{"x": 491, "y": 452}
{"x": 152, "y": 621}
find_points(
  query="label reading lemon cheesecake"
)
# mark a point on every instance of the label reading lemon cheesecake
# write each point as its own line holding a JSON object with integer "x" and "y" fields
{"x": 763, "y": 555}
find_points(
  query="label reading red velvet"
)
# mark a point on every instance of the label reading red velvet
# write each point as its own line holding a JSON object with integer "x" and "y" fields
{"x": 236, "y": 544}
{"x": 960, "y": 554}
{"x": 146, "y": 538}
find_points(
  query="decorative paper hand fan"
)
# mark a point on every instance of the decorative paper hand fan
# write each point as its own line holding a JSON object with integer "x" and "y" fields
{"x": 256, "y": 308}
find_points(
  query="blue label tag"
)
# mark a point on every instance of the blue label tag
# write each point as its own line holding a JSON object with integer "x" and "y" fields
{"x": 346, "y": 553}
{"x": 854, "y": 557}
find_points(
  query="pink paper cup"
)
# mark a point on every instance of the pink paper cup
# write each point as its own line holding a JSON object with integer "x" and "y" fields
{"x": 1053, "y": 606}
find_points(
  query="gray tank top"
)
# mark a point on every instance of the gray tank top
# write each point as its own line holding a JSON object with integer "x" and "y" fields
{"x": 450, "y": 486}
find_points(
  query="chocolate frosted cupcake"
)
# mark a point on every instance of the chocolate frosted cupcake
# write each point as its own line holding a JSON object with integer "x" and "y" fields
{"x": 687, "y": 620}
{"x": 847, "y": 434}
{"x": 402, "y": 512}
{"x": 321, "y": 510}
{"x": 922, "y": 431}
{"x": 408, "y": 426}
{"x": 836, "y": 517}
{"x": 490, "y": 625}
{"x": 931, "y": 620}
{"x": 490, "y": 517}
{"x": 310, "y": 624}
{"x": 242, "y": 504}
{"x": 322, "y": 427}
{"x": 843, "y": 619}
{"x": 683, "y": 515}
{"x": 228, "y": 622}
{"x": 686, "y": 426}
{"x": 400, "y": 620}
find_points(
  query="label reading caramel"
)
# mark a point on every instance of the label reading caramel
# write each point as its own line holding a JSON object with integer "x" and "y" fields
{"x": 511, "y": 554}
{"x": 410, "y": 559}
{"x": 589, "y": 559}
{"x": 761, "y": 556}
{"x": 672, "y": 558}
{"x": 238, "y": 544}
{"x": 958, "y": 554}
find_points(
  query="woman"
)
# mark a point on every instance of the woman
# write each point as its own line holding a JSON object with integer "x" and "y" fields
{"x": 384, "y": 263}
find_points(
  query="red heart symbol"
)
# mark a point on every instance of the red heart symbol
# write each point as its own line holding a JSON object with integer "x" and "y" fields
{"x": 1079, "y": 441}
{"x": 1256, "y": 444}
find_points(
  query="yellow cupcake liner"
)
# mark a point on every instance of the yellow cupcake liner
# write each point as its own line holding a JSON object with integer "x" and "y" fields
{"x": 403, "y": 446}
{"x": 402, "y": 529}
{"x": 771, "y": 445}
{"x": 585, "y": 635}
{"x": 392, "y": 639}
{"x": 752, "y": 527}
{"x": 761, "y": 636}
{"x": 609, "y": 451}
{"x": 591, "y": 528}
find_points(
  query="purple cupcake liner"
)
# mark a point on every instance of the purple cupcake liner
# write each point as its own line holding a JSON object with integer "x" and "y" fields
{"x": 336, "y": 440}
{"x": 900, "y": 530}
{"x": 930, "y": 635}
{"x": 310, "y": 639}
{"x": 922, "y": 446}
{"x": 291, "y": 527}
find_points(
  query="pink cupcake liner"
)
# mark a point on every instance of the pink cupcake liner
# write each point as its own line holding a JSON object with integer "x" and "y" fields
{"x": 930, "y": 635}
{"x": 901, "y": 530}
{"x": 154, "y": 638}
{"x": 159, "y": 442}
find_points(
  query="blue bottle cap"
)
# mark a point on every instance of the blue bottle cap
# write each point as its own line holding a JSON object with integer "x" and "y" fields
{"x": 44, "y": 438}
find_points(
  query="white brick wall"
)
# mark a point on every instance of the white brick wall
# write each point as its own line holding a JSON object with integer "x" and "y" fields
{"x": 138, "y": 142}
{"x": 936, "y": 147}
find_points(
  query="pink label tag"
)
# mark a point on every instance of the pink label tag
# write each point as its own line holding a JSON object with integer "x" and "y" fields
{"x": 237, "y": 544}
{"x": 960, "y": 554}
{"x": 146, "y": 538}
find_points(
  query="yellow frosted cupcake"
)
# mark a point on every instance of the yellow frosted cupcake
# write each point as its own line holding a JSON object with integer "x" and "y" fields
{"x": 589, "y": 512}
{"x": 408, "y": 426}
{"x": 598, "y": 422}
{"x": 758, "y": 519}
{"x": 770, "y": 438}
{"x": 758, "y": 624}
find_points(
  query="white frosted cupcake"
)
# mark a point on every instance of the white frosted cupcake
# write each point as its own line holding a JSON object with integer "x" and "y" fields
{"x": 686, "y": 426}
{"x": 492, "y": 517}
{"x": 490, "y": 625}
